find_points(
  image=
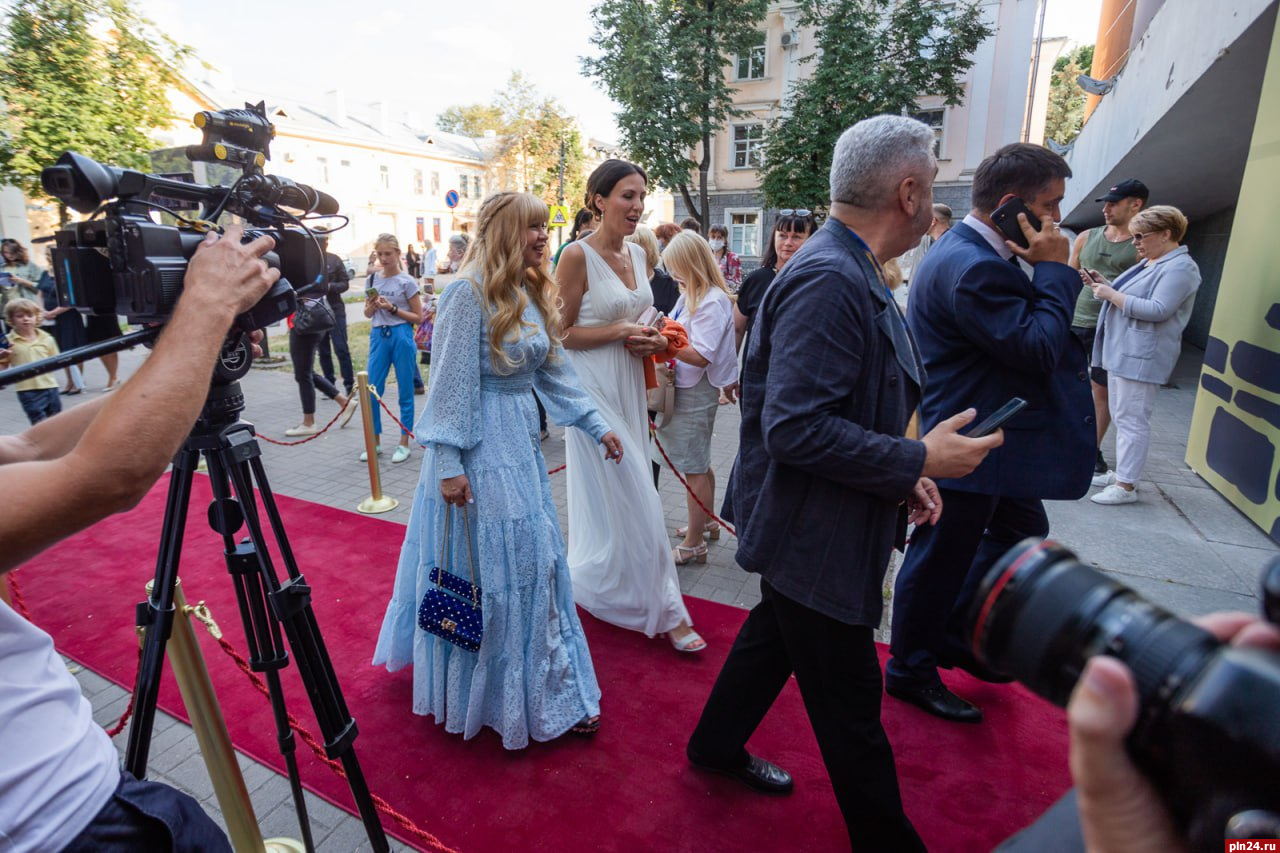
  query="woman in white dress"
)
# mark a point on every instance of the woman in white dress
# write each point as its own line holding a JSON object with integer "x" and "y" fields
{"x": 619, "y": 556}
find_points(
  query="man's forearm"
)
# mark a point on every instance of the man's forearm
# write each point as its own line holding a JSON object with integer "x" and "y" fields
{"x": 51, "y": 438}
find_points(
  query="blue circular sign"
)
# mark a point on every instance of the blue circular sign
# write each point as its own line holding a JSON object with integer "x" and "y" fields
{"x": 451, "y": 198}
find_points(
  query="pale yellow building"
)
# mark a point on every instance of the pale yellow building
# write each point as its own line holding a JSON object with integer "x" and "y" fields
{"x": 993, "y": 114}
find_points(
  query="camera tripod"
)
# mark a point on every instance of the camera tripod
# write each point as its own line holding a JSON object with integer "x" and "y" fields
{"x": 266, "y": 606}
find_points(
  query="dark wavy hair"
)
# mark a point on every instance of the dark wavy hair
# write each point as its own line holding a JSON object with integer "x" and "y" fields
{"x": 1020, "y": 169}
{"x": 606, "y": 177}
{"x": 793, "y": 224}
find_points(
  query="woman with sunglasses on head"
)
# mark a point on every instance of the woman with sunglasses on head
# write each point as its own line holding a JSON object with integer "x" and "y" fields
{"x": 496, "y": 339}
{"x": 790, "y": 230}
{"x": 1144, "y": 312}
{"x": 618, "y": 549}
{"x": 708, "y": 363}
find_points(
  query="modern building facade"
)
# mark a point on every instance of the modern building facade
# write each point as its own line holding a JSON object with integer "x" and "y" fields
{"x": 1194, "y": 112}
{"x": 994, "y": 113}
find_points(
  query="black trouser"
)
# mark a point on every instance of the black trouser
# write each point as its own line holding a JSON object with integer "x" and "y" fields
{"x": 302, "y": 350}
{"x": 838, "y": 673}
{"x": 337, "y": 338}
{"x": 940, "y": 575}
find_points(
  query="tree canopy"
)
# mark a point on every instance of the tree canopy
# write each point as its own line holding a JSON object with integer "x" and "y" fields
{"x": 664, "y": 62}
{"x": 528, "y": 128}
{"x": 1065, "y": 114}
{"x": 89, "y": 76}
{"x": 873, "y": 57}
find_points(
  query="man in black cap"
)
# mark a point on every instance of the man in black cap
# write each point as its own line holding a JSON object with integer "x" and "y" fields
{"x": 1110, "y": 252}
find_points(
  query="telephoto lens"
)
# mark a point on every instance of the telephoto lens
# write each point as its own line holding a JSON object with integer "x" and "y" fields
{"x": 1208, "y": 728}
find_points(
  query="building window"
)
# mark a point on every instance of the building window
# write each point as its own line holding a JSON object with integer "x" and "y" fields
{"x": 384, "y": 174}
{"x": 435, "y": 183}
{"x": 748, "y": 146}
{"x": 346, "y": 164}
{"x": 751, "y": 62}
{"x": 476, "y": 190}
{"x": 417, "y": 182}
{"x": 933, "y": 118}
{"x": 462, "y": 187}
{"x": 323, "y": 163}
{"x": 744, "y": 232}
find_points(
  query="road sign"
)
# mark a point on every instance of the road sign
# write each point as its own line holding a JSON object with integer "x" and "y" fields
{"x": 451, "y": 199}
{"x": 559, "y": 215}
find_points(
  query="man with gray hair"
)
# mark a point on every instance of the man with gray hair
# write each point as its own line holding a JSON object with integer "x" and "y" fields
{"x": 830, "y": 380}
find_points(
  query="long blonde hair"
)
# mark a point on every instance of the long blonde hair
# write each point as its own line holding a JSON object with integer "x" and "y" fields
{"x": 688, "y": 258}
{"x": 495, "y": 264}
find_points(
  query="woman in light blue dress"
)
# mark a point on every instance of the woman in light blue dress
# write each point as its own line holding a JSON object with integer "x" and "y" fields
{"x": 495, "y": 339}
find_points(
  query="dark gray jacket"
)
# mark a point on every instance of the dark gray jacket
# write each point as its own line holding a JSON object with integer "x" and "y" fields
{"x": 830, "y": 380}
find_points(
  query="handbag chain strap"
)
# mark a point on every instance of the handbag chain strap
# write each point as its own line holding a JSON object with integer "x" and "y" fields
{"x": 446, "y": 551}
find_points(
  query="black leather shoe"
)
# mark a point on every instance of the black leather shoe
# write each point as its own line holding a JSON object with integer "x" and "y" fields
{"x": 939, "y": 701}
{"x": 757, "y": 774}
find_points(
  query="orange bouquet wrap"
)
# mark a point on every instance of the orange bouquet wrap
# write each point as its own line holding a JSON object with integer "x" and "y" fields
{"x": 677, "y": 339}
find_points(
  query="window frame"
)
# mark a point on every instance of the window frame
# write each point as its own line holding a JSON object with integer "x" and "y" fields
{"x": 735, "y": 243}
{"x": 757, "y": 147}
{"x": 762, "y": 48}
{"x": 939, "y": 129}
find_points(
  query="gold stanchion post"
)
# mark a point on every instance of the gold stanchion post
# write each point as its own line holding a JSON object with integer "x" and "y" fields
{"x": 376, "y": 502}
{"x": 211, "y": 729}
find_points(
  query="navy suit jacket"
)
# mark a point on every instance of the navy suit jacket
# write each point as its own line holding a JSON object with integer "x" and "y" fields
{"x": 830, "y": 379}
{"x": 987, "y": 332}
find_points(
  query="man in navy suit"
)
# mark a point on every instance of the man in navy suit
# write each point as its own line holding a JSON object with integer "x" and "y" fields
{"x": 988, "y": 332}
{"x": 824, "y": 482}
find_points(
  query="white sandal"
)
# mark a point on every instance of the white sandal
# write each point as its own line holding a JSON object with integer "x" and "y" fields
{"x": 688, "y": 643}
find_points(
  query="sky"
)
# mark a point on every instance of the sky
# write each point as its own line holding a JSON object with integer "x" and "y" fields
{"x": 425, "y": 56}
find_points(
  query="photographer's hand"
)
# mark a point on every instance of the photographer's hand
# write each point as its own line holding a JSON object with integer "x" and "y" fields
{"x": 227, "y": 277}
{"x": 1119, "y": 808}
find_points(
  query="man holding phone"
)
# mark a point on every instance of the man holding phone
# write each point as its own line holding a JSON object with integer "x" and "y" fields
{"x": 988, "y": 332}
{"x": 1106, "y": 252}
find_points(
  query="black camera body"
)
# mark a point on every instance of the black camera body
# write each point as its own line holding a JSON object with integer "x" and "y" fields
{"x": 1208, "y": 729}
{"x": 124, "y": 262}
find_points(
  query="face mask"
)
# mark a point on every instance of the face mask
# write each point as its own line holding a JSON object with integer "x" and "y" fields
{"x": 716, "y": 245}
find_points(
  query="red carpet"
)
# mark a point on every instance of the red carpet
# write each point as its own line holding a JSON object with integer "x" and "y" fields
{"x": 628, "y": 789}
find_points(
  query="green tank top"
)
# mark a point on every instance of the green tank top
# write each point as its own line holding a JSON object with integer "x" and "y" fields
{"x": 1108, "y": 258}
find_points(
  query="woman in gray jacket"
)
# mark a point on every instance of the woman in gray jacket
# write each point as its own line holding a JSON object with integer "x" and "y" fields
{"x": 1139, "y": 337}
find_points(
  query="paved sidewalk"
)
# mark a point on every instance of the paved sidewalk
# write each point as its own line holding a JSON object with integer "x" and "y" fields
{"x": 1182, "y": 545}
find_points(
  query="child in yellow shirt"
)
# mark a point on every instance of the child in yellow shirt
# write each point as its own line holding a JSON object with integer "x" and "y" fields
{"x": 28, "y": 343}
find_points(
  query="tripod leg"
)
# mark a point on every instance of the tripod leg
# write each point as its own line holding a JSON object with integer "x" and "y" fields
{"x": 156, "y": 614}
{"x": 291, "y": 606}
{"x": 266, "y": 648}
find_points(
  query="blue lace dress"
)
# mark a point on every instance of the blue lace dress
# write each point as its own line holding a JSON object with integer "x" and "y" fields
{"x": 532, "y": 677}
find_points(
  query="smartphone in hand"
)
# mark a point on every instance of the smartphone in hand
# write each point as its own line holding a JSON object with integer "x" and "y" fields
{"x": 371, "y": 293}
{"x": 1006, "y": 219}
{"x": 997, "y": 420}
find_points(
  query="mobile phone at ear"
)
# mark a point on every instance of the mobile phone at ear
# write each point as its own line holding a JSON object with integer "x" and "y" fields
{"x": 1006, "y": 219}
{"x": 997, "y": 420}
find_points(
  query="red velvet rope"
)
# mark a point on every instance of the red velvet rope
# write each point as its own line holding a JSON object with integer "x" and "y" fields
{"x": 331, "y": 422}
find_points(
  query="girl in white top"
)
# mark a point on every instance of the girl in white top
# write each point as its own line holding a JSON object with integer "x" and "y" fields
{"x": 619, "y": 555}
{"x": 393, "y": 306}
{"x": 707, "y": 364}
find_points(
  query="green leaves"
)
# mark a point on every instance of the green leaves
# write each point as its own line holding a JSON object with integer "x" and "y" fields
{"x": 1065, "y": 113}
{"x": 665, "y": 62}
{"x": 84, "y": 75}
{"x": 529, "y": 128}
{"x": 873, "y": 57}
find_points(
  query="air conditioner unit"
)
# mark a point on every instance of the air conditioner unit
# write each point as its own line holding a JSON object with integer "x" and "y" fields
{"x": 790, "y": 39}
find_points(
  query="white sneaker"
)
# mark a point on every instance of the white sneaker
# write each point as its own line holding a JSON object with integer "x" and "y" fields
{"x": 1113, "y": 494}
{"x": 1103, "y": 480}
{"x": 302, "y": 429}
{"x": 364, "y": 454}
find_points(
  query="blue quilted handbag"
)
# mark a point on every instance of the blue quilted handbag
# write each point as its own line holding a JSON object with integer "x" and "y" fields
{"x": 451, "y": 609}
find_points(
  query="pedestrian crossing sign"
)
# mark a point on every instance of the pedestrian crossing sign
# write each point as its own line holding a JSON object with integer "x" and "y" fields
{"x": 559, "y": 215}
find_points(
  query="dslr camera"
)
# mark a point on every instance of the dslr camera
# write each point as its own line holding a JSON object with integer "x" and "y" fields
{"x": 122, "y": 261}
{"x": 1208, "y": 729}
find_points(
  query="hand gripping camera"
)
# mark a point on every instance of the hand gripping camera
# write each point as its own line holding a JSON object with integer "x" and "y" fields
{"x": 121, "y": 261}
{"x": 1208, "y": 730}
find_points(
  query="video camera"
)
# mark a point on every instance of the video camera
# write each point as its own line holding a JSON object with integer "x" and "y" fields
{"x": 1208, "y": 729}
{"x": 124, "y": 262}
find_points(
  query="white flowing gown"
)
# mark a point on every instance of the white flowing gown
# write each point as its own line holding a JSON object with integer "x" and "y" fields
{"x": 619, "y": 554}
